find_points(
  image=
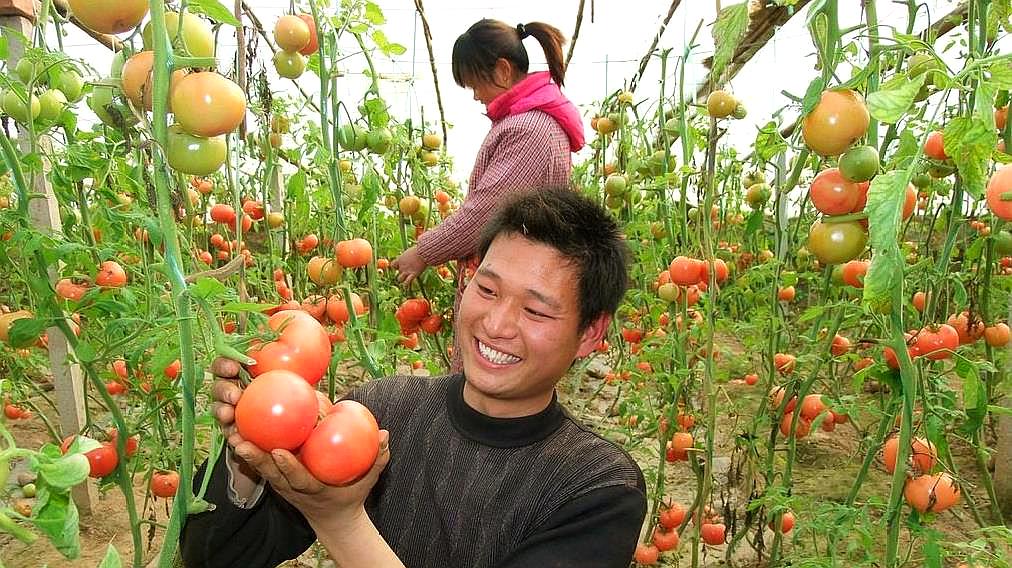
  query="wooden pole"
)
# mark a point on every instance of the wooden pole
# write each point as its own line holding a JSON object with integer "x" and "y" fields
{"x": 68, "y": 380}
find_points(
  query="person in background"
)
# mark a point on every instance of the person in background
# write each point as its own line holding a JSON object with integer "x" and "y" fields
{"x": 535, "y": 128}
{"x": 484, "y": 469}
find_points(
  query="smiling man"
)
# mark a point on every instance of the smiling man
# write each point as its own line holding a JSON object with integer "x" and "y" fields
{"x": 484, "y": 468}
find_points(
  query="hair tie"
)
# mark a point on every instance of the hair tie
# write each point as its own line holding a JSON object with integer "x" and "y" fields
{"x": 522, "y": 31}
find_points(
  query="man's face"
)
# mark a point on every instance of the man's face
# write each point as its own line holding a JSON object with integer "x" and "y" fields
{"x": 518, "y": 327}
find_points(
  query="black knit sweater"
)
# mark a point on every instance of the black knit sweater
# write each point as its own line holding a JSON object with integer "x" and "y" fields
{"x": 461, "y": 490}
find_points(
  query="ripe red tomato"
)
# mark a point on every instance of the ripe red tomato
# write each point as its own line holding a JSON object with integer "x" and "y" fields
{"x": 1000, "y": 183}
{"x": 432, "y": 324}
{"x": 685, "y": 271}
{"x": 937, "y": 342}
{"x": 164, "y": 483}
{"x": 102, "y": 460}
{"x": 812, "y": 406}
{"x": 786, "y": 522}
{"x": 854, "y": 272}
{"x": 303, "y": 347}
{"x": 646, "y": 554}
{"x": 353, "y": 253}
{"x": 111, "y": 275}
{"x": 934, "y": 148}
{"x": 833, "y": 194}
{"x": 172, "y": 370}
{"x": 931, "y": 493}
{"x": 665, "y": 540}
{"x": 313, "y": 44}
{"x": 68, "y": 290}
{"x": 277, "y": 410}
{"x": 712, "y": 533}
{"x": 131, "y": 441}
{"x": 223, "y": 213}
{"x": 337, "y": 308}
{"x": 671, "y": 517}
{"x": 344, "y": 445}
{"x": 678, "y": 447}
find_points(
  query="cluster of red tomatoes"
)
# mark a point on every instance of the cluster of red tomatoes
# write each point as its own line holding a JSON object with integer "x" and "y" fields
{"x": 102, "y": 461}
{"x": 281, "y": 408}
{"x": 924, "y": 491}
{"x": 670, "y": 519}
{"x": 414, "y": 315}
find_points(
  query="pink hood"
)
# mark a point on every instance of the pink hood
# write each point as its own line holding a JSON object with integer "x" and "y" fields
{"x": 538, "y": 92}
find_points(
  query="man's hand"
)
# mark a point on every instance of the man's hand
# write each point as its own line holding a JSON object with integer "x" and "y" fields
{"x": 409, "y": 265}
{"x": 225, "y": 393}
{"x": 322, "y": 505}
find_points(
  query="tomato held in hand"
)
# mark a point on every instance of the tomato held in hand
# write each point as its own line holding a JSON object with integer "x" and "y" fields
{"x": 344, "y": 445}
{"x": 303, "y": 347}
{"x": 277, "y": 410}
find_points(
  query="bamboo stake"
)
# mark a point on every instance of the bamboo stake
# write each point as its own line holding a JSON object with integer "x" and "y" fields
{"x": 653, "y": 45}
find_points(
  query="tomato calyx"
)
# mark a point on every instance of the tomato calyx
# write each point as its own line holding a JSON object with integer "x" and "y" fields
{"x": 847, "y": 217}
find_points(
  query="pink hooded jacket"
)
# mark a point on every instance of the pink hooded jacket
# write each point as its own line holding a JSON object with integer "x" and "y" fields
{"x": 538, "y": 92}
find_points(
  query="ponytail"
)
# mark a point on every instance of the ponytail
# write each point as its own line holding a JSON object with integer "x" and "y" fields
{"x": 476, "y": 51}
{"x": 551, "y": 40}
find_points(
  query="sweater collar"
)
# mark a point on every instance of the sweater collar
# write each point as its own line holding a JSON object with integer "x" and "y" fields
{"x": 537, "y": 91}
{"x": 500, "y": 432}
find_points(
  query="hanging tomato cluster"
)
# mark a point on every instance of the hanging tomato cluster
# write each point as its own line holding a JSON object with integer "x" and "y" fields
{"x": 296, "y": 36}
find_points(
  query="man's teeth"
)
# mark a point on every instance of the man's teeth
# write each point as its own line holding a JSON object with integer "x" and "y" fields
{"x": 497, "y": 357}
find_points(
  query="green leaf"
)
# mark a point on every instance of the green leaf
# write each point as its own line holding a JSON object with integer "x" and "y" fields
{"x": 370, "y": 194}
{"x": 85, "y": 352}
{"x": 208, "y": 288}
{"x": 893, "y": 99}
{"x": 754, "y": 222}
{"x": 65, "y": 472}
{"x": 728, "y": 31}
{"x": 769, "y": 142}
{"x": 236, "y": 307}
{"x": 974, "y": 395}
{"x": 885, "y": 206}
{"x": 395, "y": 49}
{"x": 112, "y": 559}
{"x": 25, "y": 332}
{"x": 215, "y": 10}
{"x": 3, "y": 47}
{"x": 906, "y": 151}
{"x": 56, "y": 516}
{"x": 999, "y": 75}
{"x": 296, "y": 189}
{"x": 812, "y": 95}
{"x": 374, "y": 14}
{"x": 969, "y": 142}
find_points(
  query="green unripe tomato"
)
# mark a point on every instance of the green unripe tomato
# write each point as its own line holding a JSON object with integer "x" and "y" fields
{"x": 21, "y": 110}
{"x": 860, "y": 163}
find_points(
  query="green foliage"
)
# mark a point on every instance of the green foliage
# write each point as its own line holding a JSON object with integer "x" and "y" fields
{"x": 894, "y": 97}
{"x": 728, "y": 31}
{"x": 968, "y": 142}
{"x": 215, "y": 10}
{"x": 885, "y": 206}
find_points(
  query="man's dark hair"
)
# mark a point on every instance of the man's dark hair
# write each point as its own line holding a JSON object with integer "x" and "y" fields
{"x": 581, "y": 231}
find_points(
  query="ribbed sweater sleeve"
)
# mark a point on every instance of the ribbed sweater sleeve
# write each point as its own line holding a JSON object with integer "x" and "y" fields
{"x": 517, "y": 156}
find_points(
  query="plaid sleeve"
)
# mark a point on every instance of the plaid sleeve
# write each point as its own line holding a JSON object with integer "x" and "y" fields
{"x": 520, "y": 159}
